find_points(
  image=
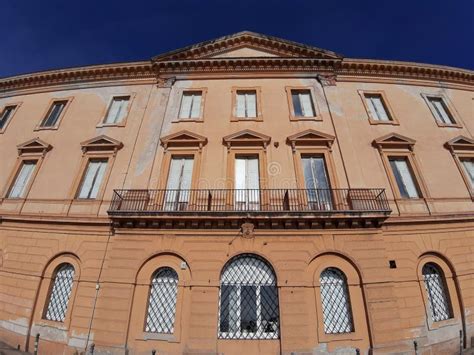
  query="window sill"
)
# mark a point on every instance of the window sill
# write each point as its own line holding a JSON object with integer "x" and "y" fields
{"x": 376, "y": 122}
{"x": 449, "y": 125}
{"x": 314, "y": 118}
{"x": 122, "y": 124}
{"x": 432, "y": 325}
{"x": 53, "y": 128}
{"x": 170, "y": 338}
{"x": 246, "y": 119}
{"x": 184, "y": 120}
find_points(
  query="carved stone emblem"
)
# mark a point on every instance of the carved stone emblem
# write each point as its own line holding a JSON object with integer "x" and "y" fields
{"x": 247, "y": 230}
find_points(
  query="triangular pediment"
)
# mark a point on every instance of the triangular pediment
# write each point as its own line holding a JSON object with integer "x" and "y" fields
{"x": 246, "y": 45}
{"x": 310, "y": 137}
{"x": 34, "y": 145}
{"x": 394, "y": 140}
{"x": 460, "y": 143}
{"x": 183, "y": 138}
{"x": 246, "y": 137}
{"x": 101, "y": 143}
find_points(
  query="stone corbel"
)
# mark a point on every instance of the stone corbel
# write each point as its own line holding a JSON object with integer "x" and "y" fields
{"x": 165, "y": 82}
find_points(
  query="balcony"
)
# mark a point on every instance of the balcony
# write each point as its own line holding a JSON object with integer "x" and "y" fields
{"x": 288, "y": 206}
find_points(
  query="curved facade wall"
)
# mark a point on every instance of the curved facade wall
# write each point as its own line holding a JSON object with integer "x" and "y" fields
{"x": 240, "y": 186}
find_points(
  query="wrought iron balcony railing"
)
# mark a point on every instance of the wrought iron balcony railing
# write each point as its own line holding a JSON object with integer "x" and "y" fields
{"x": 222, "y": 201}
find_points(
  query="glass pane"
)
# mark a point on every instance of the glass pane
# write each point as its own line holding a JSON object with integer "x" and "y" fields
{"x": 248, "y": 309}
{"x": 306, "y": 103}
{"x": 269, "y": 305}
{"x": 53, "y": 115}
{"x": 404, "y": 178}
{"x": 437, "y": 294}
{"x": 7, "y": 112}
{"x": 196, "y": 106}
{"x": 186, "y": 101}
{"x": 240, "y": 109}
{"x": 92, "y": 179}
{"x": 468, "y": 165}
{"x": 297, "y": 108}
{"x": 441, "y": 111}
{"x": 60, "y": 293}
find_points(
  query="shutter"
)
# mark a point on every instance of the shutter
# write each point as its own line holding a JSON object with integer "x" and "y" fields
{"x": 186, "y": 102}
{"x": 380, "y": 108}
{"x": 174, "y": 174}
{"x": 319, "y": 167}
{"x": 5, "y": 116}
{"x": 443, "y": 115}
{"x": 240, "y": 109}
{"x": 306, "y": 104}
{"x": 251, "y": 104}
{"x": 308, "y": 173}
{"x": 21, "y": 182}
{"x": 97, "y": 182}
{"x": 113, "y": 110}
{"x": 196, "y": 106}
{"x": 186, "y": 179}
{"x": 88, "y": 180}
{"x": 297, "y": 109}
{"x": 253, "y": 180}
{"x": 240, "y": 183}
{"x": 53, "y": 115}
{"x": 372, "y": 109}
{"x": 407, "y": 178}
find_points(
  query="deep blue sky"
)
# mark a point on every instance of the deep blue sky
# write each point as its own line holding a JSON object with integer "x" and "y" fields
{"x": 50, "y": 34}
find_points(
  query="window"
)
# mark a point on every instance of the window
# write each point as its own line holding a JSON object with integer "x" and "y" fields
{"x": 118, "y": 110}
{"x": 5, "y": 116}
{"x": 337, "y": 313}
{"x": 377, "y": 108}
{"x": 22, "y": 179}
{"x": 179, "y": 183}
{"x": 190, "y": 105}
{"x": 53, "y": 115}
{"x": 92, "y": 179}
{"x": 441, "y": 111}
{"x": 438, "y": 297}
{"x": 248, "y": 306}
{"x": 316, "y": 182}
{"x": 60, "y": 293}
{"x": 302, "y": 103}
{"x": 468, "y": 166}
{"x": 247, "y": 183}
{"x": 246, "y": 104}
{"x": 404, "y": 177}
{"x": 162, "y": 301}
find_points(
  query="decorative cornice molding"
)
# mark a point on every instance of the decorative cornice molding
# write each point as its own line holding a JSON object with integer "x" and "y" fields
{"x": 101, "y": 143}
{"x": 34, "y": 146}
{"x": 183, "y": 138}
{"x": 394, "y": 140}
{"x": 460, "y": 143}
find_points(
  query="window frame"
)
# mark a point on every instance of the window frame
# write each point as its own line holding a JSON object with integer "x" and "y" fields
{"x": 15, "y": 110}
{"x": 181, "y": 92}
{"x": 131, "y": 97}
{"x": 93, "y": 157}
{"x": 459, "y": 157}
{"x": 451, "y": 289}
{"x": 460, "y": 152}
{"x": 372, "y": 120}
{"x": 50, "y": 293}
{"x": 408, "y": 159}
{"x": 317, "y": 113}
{"x": 449, "y": 107}
{"x": 27, "y": 188}
{"x": 258, "y": 102}
{"x": 51, "y": 102}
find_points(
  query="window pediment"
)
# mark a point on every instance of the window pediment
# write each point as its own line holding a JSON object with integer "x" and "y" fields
{"x": 101, "y": 143}
{"x": 310, "y": 137}
{"x": 34, "y": 145}
{"x": 394, "y": 140}
{"x": 460, "y": 143}
{"x": 246, "y": 137}
{"x": 183, "y": 139}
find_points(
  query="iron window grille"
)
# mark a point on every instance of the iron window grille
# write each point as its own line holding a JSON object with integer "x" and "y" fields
{"x": 162, "y": 302}
{"x": 337, "y": 313}
{"x": 438, "y": 297}
{"x": 248, "y": 300}
{"x": 60, "y": 293}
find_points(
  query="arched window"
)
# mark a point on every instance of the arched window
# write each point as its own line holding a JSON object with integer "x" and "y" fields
{"x": 60, "y": 293}
{"x": 438, "y": 296}
{"x": 162, "y": 302}
{"x": 335, "y": 301}
{"x": 248, "y": 307}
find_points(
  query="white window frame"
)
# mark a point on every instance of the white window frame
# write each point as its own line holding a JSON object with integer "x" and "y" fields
{"x": 194, "y": 93}
{"x": 123, "y": 111}
{"x": 102, "y": 179}
{"x": 29, "y": 181}
{"x": 246, "y": 94}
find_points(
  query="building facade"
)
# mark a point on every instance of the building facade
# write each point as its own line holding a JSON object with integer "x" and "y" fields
{"x": 246, "y": 194}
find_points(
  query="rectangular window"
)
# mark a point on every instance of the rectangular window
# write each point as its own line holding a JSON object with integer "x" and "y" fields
{"x": 54, "y": 113}
{"x": 441, "y": 111}
{"x": 316, "y": 182}
{"x": 246, "y": 104}
{"x": 92, "y": 178}
{"x": 377, "y": 108}
{"x": 5, "y": 115}
{"x": 404, "y": 177}
{"x": 179, "y": 183}
{"x": 302, "y": 103}
{"x": 22, "y": 179}
{"x": 247, "y": 183}
{"x": 118, "y": 110}
{"x": 190, "y": 105}
{"x": 468, "y": 165}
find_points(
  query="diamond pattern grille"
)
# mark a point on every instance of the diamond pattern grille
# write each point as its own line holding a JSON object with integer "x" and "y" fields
{"x": 437, "y": 294}
{"x": 335, "y": 300}
{"x": 248, "y": 305}
{"x": 162, "y": 302}
{"x": 60, "y": 293}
